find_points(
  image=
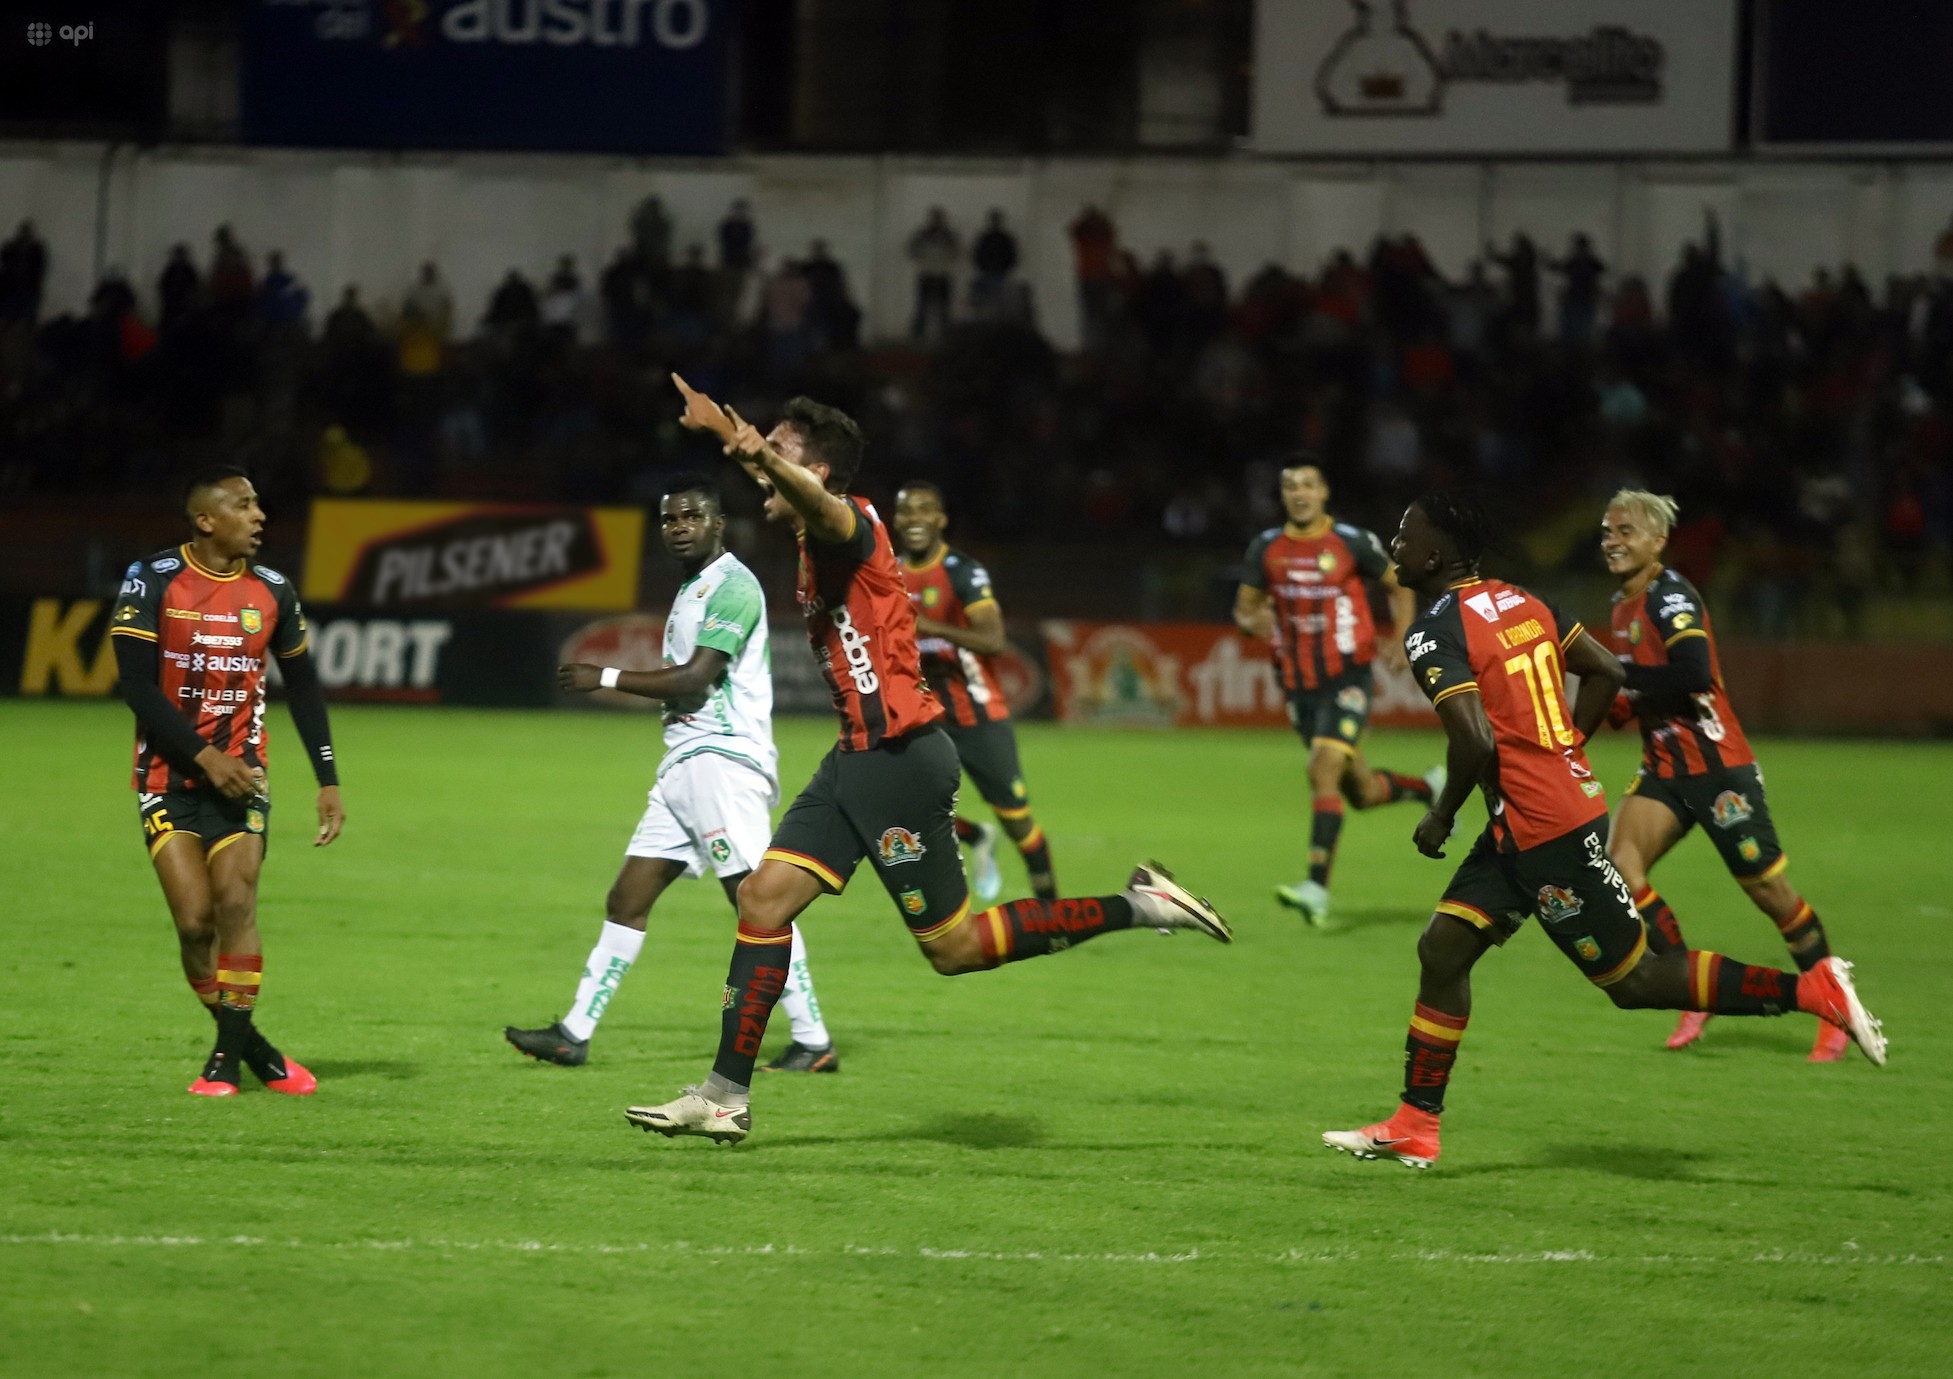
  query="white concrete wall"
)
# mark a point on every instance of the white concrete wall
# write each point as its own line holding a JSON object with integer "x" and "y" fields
{"x": 371, "y": 219}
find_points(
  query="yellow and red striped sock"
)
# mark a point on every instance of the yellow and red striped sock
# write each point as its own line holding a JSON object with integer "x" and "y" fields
{"x": 1725, "y": 987}
{"x": 238, "y": 977}
{"x": 206, "y": 989}
{"x": 1664, "y": 930}
{"x": 1031, "y": 928}
{"x": 754, "y": 984}
{"x": 1430, "y": 1049}
{"x": 1803, "y": 933}
{"x": 1037, "y": 863}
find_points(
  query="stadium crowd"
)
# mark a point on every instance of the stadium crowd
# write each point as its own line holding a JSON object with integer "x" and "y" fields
{"x": 1807, "y": 432}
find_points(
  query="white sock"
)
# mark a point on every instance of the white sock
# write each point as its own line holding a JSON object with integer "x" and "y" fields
{"x": 803, "y": 1008}
{"x": 617, "y": 948}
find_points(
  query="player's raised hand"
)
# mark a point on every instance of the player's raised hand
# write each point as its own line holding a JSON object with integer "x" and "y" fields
{"x": 1431, "y": 834}
{"x": 332, "y": 815}
{"x": 579, "y": 676}
{"x": 703, "y": 414}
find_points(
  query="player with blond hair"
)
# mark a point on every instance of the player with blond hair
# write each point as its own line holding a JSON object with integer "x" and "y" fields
{"x": 1696, "y": 765}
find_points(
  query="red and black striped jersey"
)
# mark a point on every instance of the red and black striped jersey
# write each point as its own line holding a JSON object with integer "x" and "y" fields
{"x": 1508, "y": 645}
{"x": 212, "y": 634}
{"x": 1317, "y": 581}
{"x": 859, "y": 621}
{"x": 1681, "y": 734}
{"x": 946, "y": 589}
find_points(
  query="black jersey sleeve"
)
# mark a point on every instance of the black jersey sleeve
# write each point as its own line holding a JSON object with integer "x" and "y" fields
{"x": 969, "y": 579}
{"x": 290, "y": 635}
{"x": 139, "y": 603}
{"x": 1675, "y": 611}
{"x": 1439, "y": 657}
{"x": 137, "y": 662}
{"x": 854, "y": 548}
{"x": 1254, "y": 568}
{"x": 1371, "y": 558}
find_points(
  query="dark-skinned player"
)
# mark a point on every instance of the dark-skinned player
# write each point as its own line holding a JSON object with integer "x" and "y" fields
{"x": 1492, "y": 658}
{"x": 1305, "y": 590}
{"x": 193, "y": 629}
{"x": 886, "y": 792}
{"x": 1696, "y": 764}
{"x": 960, "y": 625}
{"x": 717, "y": 782}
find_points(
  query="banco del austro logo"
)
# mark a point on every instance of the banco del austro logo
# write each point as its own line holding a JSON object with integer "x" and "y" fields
{"x": 1391, "y": 68}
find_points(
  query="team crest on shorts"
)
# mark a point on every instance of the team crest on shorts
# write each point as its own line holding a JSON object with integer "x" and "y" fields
{"x": 251, "y": 620}
{"x": 1017, "y": 789}
{"x": 1588, "y": 950}
{"x": 254, "y": 820}
{"x": 1350, "y": 728}
{"x": 1749, "y": 849}
{"x": 1351, "y": 700}
{"x": 898, "y": 845}
{"x": 1557, "y": 904}
{"x": 913, "y": 902}
{"x": 720, "y": 849}
{"x": 1730, "y": 809}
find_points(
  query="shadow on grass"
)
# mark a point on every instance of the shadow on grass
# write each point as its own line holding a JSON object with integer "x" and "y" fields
{"x": 1349, "y": 921}
{"x": 394, "y": 1070}
{"x": 974, "y": 1131}
{"x": 1651, "y": 1163}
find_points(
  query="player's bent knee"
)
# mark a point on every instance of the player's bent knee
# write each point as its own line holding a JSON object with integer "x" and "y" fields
{"x": 1635, "y": 991}
{"x": 1447, "y": 946}
{"x": 956, "y": 952}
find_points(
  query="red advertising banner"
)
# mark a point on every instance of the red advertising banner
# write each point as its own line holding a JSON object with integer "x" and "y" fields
{"x": 1188, "y": 675}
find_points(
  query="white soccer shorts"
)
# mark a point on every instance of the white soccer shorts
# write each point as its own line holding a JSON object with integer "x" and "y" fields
{"x": 708, "y": 810}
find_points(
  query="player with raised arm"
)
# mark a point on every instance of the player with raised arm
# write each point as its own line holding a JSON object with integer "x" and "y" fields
{"x": 193, "y": 627}
{"x": 1305, "y": 590}
{"x": 960, "y": 627}
{"x": 1696, "y": 765}
{"x": 717, "y": 781}
{"x": 1492, "y": 659}
{"x": 886, "y": 791}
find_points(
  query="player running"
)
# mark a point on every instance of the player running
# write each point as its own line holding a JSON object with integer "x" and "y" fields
{"x": 1492, "y": 659}
{"x": 715, "y": 786}
{"x": 960, "y": 626}
{"x": 1696, "y": 765}
{"x": 886, "y": 791}
{"x": 192, "y": 628}
{"x": 1305, "y": 591}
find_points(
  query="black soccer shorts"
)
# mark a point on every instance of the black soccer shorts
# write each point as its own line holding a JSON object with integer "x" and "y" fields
{"x": 1335, "y": 712}
{"x": 1730, "y": 805}
{"x": 214, "y": 820}
{"x": 989, "y": 753}
{"x": 1581, "y": 900}
{"x": 896, "y": 806}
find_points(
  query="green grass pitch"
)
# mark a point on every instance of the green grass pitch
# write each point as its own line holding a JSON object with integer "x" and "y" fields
{"x": 1104, "y": 1162}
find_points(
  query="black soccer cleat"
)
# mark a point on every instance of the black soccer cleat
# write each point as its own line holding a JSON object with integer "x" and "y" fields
{"x": 279, "y": 1073}
{"x": 552, "y": 1045}
{"x": 798, "y": 1058}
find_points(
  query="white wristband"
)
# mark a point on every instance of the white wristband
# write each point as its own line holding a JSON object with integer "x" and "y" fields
{"x": 609, "y": 678}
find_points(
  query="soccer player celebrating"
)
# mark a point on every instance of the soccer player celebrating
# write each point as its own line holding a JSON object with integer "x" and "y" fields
{"x": 192, "y": 628}
{"x": 1696, "y": 765}
{"x": 1305, "y": 591}
{"x": 1492, "y": 658}
{"x": 887, "y": 789}
{"x": 715, "y": 786}
{"x": 959, "y": 627}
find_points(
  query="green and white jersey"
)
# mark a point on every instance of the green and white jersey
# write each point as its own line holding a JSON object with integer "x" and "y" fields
{"x": 722, "y": 607}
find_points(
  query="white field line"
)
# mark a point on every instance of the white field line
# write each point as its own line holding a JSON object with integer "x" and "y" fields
{"x": 1851, "y": 1254}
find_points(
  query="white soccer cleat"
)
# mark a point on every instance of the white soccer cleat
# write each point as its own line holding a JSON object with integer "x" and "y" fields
{"x": 1837, "y": 1001}
{"x": 1310, "y": 897}
{"x": 694, "y": 1114}
{"x": 986, "y": 878}
{"x": 1165, "y": 904}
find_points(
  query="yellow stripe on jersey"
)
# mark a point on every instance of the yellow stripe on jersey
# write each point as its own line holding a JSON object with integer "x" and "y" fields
{"x": 1685, "y": 632}
{"x": 1445, "y": 694}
